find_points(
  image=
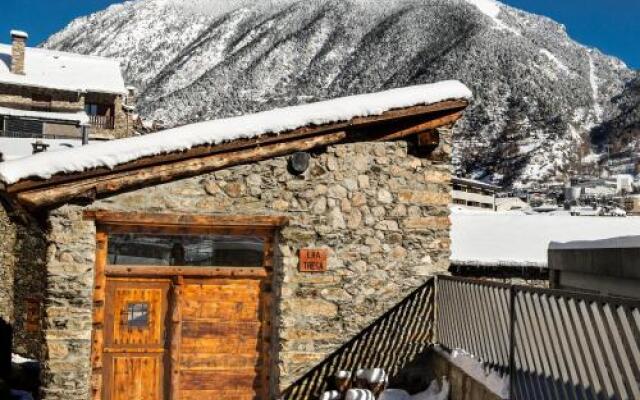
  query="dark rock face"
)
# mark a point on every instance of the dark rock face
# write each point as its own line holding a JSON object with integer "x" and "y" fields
{"x": 622, "y": 130}
{"x": 537, "y": 93}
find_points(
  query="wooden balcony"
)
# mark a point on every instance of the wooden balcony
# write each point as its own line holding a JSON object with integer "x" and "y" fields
{"x": 102, "y": 121}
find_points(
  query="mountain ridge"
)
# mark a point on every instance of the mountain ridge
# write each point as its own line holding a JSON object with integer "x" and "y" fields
{"x": 538, "y": 94}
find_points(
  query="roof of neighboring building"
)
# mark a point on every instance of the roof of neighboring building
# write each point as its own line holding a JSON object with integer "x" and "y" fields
{"x": 188, "y": 150}
{"x": 622, "y": 242}
{"x": 474, "y": 182}
{"x": 16, "y": 148}
{"x": 63, "y": 71}
{"x": 497, "y": 239}
{"x": 77, "y": 118}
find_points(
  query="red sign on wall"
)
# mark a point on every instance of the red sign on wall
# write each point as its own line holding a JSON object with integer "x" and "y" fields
{"x": 313, "y": 260}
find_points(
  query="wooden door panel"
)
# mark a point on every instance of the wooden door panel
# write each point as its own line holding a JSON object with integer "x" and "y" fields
{"x": 136, "y": 377}
{"x": 219, "y": 380}
{"x": 221, "y": 339}
{"x": 135, "y": 339}
{"x": 150, "y": 334}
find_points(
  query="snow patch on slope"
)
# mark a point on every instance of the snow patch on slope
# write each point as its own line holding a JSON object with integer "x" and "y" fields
{"x": 116, "y": 152}
{"x": 555, "y": 60}
{"x": 593, "y": 80}
{"x": 491, "y": 9}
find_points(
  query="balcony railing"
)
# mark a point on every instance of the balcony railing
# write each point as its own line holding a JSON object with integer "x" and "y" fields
{"x": 32, "y": 135}
{"x": 553, "y": 344}
{"x": 102, "y": 121}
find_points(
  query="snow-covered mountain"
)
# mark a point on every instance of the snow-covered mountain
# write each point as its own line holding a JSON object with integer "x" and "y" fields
{"x": 538, "y": 93}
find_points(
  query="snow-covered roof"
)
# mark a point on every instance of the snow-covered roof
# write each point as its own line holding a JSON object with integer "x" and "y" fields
{"x": 116, "y": 152}
{"x": 16, "y": 148}
{"x": 517, "y": 239}
{"x": 474, "y": 182}
{"x": 17, "y": 33}
{"x": 63, "y": 71}
{"x": 79, "y": 117}
{"x": 624, "y": 242}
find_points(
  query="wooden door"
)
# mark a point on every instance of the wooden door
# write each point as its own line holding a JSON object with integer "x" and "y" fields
{"x": 135, "y": 340}
{"x": 223, "y": 345}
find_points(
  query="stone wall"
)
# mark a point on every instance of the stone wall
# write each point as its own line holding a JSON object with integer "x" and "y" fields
{"x": 67, "y": 315}
{"x": 23, "y": 278}
{"x": 7, "y": 263}
{"x": 21, "y": 96}
{"x": 382, "y": 213}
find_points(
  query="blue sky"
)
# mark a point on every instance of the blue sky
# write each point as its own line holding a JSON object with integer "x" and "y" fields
{"x": 613, "y": 26}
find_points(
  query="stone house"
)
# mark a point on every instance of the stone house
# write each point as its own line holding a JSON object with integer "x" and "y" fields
{"x": 226, "y": 258}
{"x": 53, "y": 94}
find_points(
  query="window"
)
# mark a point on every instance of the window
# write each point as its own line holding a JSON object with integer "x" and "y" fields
{"x": 185, "y": 250}
{"x": 98, "y": 109}
{"x": 137, "y": 315}
{"x": 24, "y": 128}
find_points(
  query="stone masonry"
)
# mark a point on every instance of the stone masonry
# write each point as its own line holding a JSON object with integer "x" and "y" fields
{"x": 382, "y": 213}
{"x": 22, "y": 280}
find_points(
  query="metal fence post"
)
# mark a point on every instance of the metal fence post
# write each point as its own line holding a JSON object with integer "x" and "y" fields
{"x": 512, "y": 341}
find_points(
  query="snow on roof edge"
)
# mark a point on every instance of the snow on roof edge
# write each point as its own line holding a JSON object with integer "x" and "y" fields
{"x": 18, "y": 33}
{"x": 79, "y": 117}
{"x": 116, "y": 152}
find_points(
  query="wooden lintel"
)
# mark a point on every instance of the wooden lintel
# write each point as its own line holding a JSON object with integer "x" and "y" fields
{"x": 156, "y": 271}
{"x": 420, "y": 128}
{"x": 136, "y": 218}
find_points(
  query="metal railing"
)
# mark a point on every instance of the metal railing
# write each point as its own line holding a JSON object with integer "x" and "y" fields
{"x": 554, "y": 344}
{"x": 20, "y": 134}
{"x": 102, "y": 121}
{"x": 390, "y": 342}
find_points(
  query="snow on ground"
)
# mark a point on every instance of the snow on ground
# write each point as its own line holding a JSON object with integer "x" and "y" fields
{"x": 112, "y": 153}
{"x": 435, "y": 391}
{"x": 519, "y": 239}
{"x": 473, "y": 367}
{"x": 64, "y": 71}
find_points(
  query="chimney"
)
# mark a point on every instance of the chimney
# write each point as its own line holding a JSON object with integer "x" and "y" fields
{"x": 18, "y": 45}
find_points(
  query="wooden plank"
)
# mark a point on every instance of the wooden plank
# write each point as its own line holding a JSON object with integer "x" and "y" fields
{"x": 144, "y": 270}
{"x": 97, "y": 333}
{"x": 148, "y": 229}
{"x": 420, "y": 128}
{"x": 117, "y": 182}
{"x": 231, "y": 344}
{"x": 220, "y": 380}
{"x": 217, "y": 361}
{"x": 208, "y": 329}
{"x": 136, "y": 350}
{"x": 220, "y": 310}
{"x": 138, "y": 218}
{"x": 176, "y": 337}
{"x": 218, "y": 394}
{"x": 137, "y": 378}
{"x": 358, "y": 122}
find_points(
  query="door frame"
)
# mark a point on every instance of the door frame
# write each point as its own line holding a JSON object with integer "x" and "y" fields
{"x": 107, "y": 222}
